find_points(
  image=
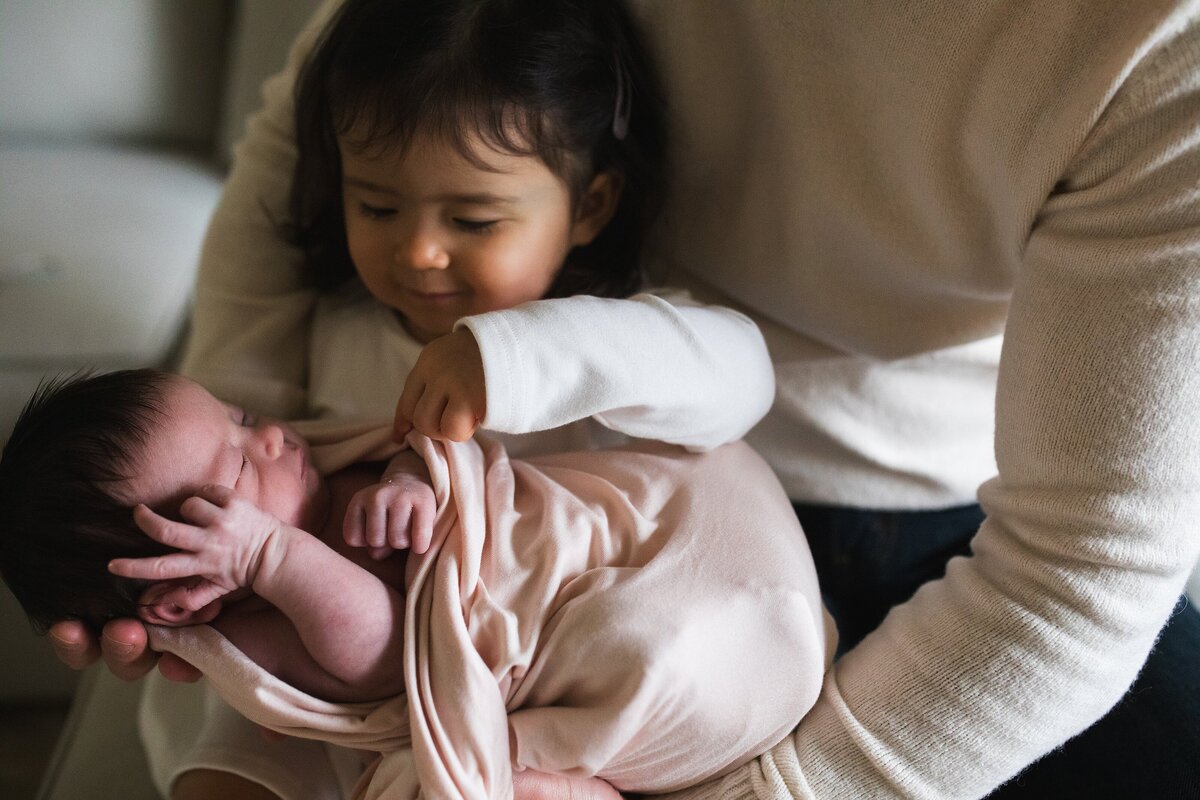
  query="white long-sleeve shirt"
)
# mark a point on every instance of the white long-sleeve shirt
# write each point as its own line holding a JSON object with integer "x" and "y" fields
{"x": 891, "y": 189}
{"x": 658, "y": 366}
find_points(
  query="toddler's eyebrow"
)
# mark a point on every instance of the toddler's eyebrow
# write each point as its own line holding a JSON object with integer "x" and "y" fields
{"x": 466, "y": 198}
{"x": 363, "y": 183}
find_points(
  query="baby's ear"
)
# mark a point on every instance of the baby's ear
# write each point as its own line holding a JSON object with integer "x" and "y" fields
{"x": 159, "y": 605}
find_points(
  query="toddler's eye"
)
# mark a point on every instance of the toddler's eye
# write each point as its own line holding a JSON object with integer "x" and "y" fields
{"x": 475, "y": 225}
{"x": 375, "y": 212}
{"x": 248, "y": 420}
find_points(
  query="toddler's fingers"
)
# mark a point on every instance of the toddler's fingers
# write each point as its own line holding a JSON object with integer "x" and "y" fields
{"x": 427, "y": 418}
{"x": 458, "y": 421}
{"x": 406, "y": 406}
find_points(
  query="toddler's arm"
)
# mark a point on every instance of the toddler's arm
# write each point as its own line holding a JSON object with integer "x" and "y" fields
{"x": 395, "y": 513}
{"x": 655, "y": 367}
{"x": 349, "y": 621}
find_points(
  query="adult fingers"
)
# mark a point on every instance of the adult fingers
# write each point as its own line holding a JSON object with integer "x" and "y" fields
{"x": 529, "y": 784}
{"x": 74, "y": 645}
{"x": 174, "y": 668}
{"x": 125, "y": 650}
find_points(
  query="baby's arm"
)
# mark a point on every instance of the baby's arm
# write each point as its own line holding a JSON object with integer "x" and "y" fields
{"x": 395, "y": 513}
{"x": 349, "y": 622}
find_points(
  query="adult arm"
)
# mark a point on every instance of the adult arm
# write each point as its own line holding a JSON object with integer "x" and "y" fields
{"x": 1091, "y": 529}
{"x": 656, "y": 366}
{"x": 249, "y": 337}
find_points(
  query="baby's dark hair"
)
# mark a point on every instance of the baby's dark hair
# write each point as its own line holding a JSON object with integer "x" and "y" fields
{"x": 61, "y": 518}
{"x": 567, "y": 81}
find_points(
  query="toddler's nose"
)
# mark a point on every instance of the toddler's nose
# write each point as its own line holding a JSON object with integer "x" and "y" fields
{"x": 421, "y": 250}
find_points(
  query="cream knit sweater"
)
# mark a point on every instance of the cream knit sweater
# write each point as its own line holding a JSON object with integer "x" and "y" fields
{"x": 890, "y": 188}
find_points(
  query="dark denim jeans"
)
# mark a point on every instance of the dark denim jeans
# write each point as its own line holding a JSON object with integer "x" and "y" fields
{"x": 1148, "y": 746}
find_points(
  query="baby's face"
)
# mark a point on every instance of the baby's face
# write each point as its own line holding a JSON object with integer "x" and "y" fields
{"x": 202, "y": 440}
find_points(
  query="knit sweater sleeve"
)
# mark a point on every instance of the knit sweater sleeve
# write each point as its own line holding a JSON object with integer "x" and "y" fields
{"x": 250, "y": 320}
{"x": 657, "y": 366}
{"x": 1091, "y": 528}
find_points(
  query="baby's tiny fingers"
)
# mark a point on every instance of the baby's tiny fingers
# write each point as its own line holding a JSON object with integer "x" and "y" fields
{"x": 163, "y": 530}
{"x": 200, "y": 510}
{"x": 194, "y": 598}
{"x": 156, "y": 568}
{"x": 215, "y": 493}
{"x": 376, "y": 524}
{"x": 354, "y": 523}
{"x": 422, "y": 527}
{"x": 380, "y": 553}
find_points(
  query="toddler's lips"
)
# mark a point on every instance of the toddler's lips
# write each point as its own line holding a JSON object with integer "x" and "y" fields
{"x": 436, "y": 297}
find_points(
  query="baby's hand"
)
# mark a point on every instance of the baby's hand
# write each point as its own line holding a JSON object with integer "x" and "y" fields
{"x": 391, "y": 515}
{"x": 444, "y": 396}
{"x": 223, "y": 546}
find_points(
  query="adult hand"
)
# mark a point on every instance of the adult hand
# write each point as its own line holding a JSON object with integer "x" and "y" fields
{"x": 531, "y": 785}
{"x": 444, "y": 396}
{"x": 122, "y": 645}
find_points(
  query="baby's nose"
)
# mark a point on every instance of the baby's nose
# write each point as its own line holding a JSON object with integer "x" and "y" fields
{"x": 273, "y": 440}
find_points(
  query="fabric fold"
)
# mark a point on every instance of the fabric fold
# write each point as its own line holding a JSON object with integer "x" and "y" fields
{"x": 645, "y": 615}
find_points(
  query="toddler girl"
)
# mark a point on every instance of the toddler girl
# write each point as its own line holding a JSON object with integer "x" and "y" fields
{"x": 487, "y": 172}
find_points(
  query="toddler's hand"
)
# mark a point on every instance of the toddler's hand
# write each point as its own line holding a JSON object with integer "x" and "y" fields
{"x": 444, "y": 396}
{"x": 223, "y": 546}
{"x": 391, "y": 515}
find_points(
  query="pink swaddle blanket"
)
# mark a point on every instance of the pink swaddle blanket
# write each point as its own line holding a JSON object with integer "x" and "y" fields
{"x": 642, "y": 614}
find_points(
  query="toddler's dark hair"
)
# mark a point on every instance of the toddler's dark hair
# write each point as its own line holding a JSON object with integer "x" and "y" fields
{"x": 567, "y": 81}
{"x": 61, "y": 520}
